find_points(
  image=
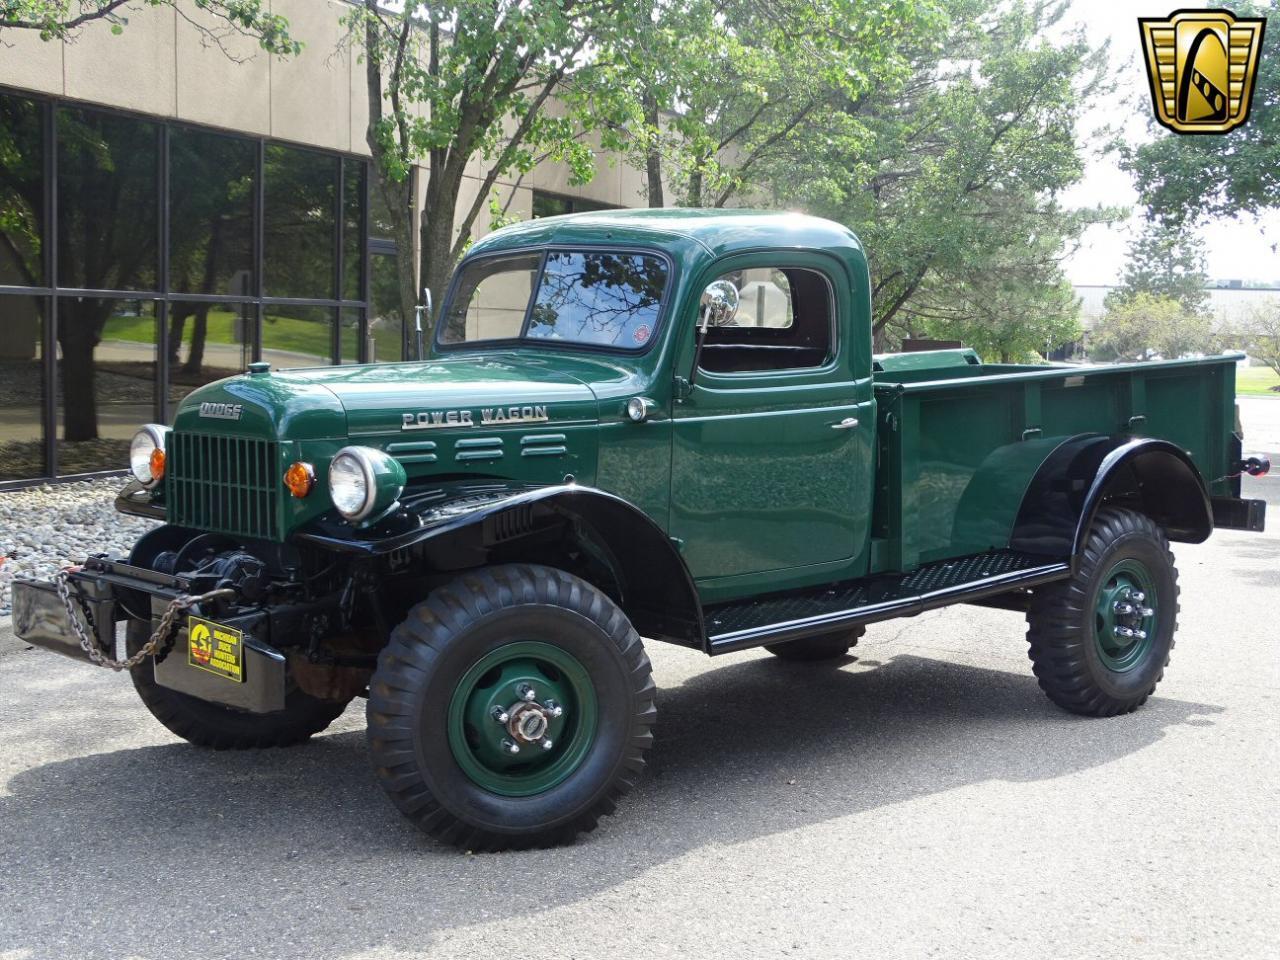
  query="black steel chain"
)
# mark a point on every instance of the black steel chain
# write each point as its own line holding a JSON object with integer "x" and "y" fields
{"x": 162, "y": 637}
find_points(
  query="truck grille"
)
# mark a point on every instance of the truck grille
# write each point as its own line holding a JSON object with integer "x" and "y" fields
{"x": 223, "y": 484}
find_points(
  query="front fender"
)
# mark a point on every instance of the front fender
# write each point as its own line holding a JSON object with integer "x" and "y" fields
{"x": 650, "y": 580}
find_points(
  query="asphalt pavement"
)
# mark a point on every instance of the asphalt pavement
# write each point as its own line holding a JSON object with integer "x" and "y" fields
{"x": 923, "y": 799}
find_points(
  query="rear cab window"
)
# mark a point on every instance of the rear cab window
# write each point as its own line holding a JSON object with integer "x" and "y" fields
{"x": 598, "y": 298}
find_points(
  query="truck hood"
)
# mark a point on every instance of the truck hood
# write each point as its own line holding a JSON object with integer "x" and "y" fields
{"x": 401, "y": 400}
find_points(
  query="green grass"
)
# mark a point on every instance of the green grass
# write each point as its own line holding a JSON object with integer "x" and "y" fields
{"x": 278, "y": 333}
{"x": 1257, "y": 382}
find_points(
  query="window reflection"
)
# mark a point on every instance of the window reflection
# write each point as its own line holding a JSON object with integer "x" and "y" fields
{"x": 386, "y": 316}
{"x": 107, "y": 380}
{"x": 22, "y": 322}
{"x": 300, "y": 188}
{"x": 21, "y": 193}
{"x": 207, "y": 341}
{"x": 211, "y": 185}
{"x": 352, "y": 230}
{"x": 108, "y": 201}
{"x": 297, "y": 336}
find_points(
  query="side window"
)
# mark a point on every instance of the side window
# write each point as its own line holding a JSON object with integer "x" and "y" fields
{"x": 784, "y": 322}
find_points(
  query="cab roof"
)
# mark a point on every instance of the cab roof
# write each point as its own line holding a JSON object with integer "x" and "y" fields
{"x": 716, "y": 232}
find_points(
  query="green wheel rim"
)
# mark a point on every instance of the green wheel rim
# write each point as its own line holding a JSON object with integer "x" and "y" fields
{"x": 1125, "y": 616}
{"x": 530, "y": 695}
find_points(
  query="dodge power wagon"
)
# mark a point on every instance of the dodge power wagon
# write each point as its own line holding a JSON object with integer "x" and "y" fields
{"x": 659, "y": 424}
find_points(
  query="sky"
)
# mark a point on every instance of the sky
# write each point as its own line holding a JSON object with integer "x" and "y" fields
{"x": 1246, "y": 249}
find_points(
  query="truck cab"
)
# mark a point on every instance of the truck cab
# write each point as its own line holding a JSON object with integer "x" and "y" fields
{"x": 664, "y": 424}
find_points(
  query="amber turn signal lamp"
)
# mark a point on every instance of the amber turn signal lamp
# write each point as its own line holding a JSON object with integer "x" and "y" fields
{"x": 156, "y": 464}
{"x": 300, "y": 478}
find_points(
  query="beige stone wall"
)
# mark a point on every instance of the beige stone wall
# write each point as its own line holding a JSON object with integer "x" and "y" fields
{"x": 163, "y": 66}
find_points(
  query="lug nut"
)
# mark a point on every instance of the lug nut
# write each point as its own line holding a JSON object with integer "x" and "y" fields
{"x": 499, "y": 715}
{"x": 554, "y": 708}
{"x": 1137, "y": 596}
{"x": 526, "y": 692}
{"x": 547, "y": 744}
{"x": 1139, "y": 634}
{"x": 1122, "y": 608}
{"x": 510, "y": 746}
{"x": 1146, "y": 612}
{"x": 1124, "y": 632}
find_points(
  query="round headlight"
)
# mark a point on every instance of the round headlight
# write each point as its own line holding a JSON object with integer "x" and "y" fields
{"x": 363, "y": 480}
{"x": 146, "y": 454}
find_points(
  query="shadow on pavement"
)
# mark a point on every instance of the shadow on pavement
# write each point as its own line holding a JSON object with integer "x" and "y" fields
{"x": 169, "y": 851}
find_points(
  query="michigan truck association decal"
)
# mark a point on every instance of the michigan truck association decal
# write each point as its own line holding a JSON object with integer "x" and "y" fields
{"x": 489, "y": 417}
{"x": 1201, "y": 65}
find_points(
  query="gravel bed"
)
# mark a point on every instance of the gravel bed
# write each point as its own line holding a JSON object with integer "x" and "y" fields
{"x": 42, "y": 529}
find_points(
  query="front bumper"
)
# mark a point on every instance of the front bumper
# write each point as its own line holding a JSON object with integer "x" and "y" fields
{"x": 109, "y": 591}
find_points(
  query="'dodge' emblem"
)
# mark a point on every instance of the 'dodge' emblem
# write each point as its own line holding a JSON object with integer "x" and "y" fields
{"x": 1202, "y": 65}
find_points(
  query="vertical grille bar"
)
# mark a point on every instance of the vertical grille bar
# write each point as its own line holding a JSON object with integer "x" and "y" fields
{"x": 223, "y": 484}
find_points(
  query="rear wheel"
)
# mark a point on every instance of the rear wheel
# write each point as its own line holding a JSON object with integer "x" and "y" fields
{"x": 1099, "y": 641}
{"x": 221, "y": 728}
{"x": 826, "y": 646}
{"x": 512, "y": 708}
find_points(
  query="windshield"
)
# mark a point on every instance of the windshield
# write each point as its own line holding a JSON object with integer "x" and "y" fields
{"x": 571, "y": 296}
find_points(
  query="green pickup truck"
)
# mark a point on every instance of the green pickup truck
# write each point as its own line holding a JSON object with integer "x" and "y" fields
{"x": 661, "y": 424}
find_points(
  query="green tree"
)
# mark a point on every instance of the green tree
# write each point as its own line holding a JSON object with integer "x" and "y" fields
{"x": 1145, "y": 326}
{"x": 1260, "y": 333}
{"x": 1165, "y": 261}
{"x": 1184, "y": 179}
{"x": 57, "y": 19}
{"x": 750, "y": 84}
{"x": 452, "y": 83}
{"x": 956, "y": 190}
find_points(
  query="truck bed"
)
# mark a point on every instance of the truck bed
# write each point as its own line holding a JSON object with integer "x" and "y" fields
{"x": 960, "y": 440}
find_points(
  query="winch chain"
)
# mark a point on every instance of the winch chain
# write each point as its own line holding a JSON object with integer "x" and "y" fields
{"x": 162, "y": 636}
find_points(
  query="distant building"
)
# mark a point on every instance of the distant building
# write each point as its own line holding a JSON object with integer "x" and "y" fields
{"x": 1229, "y": 300}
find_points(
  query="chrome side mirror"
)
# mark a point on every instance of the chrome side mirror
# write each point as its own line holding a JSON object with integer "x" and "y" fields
{"x": 719, "y": 304}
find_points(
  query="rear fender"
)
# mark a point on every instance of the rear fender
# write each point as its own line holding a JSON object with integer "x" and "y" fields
{"x": 1154, "y": 477}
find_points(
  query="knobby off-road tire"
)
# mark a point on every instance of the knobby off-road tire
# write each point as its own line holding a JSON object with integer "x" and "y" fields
{"x": 222, "y": 728}
{"x": 1079, "y": 649}
{"x": 487, "y": 646}
{"x": 826, "y": 646}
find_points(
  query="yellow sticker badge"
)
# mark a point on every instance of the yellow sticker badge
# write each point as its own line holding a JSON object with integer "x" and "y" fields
{"x": 215, "y": 648}
{"x": 1201, "y": 65}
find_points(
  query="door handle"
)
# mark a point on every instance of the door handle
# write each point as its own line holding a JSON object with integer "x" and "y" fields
{"x": 848, "y": 423}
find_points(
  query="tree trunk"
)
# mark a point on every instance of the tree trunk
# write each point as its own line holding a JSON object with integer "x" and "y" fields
{"x": 79, "y": 333}
{"x": 199, "y": 333}
{"x": 437, "y": 248}
{"x": 695, "y": 187}
{"x": 653, "y": 151}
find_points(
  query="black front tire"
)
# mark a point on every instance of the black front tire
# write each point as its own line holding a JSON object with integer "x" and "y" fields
{"x": 427, "y": 664}
{"x": 1071, "y": 664}
{"x": 826, "y": 646}
{"x": 221, "y": 728}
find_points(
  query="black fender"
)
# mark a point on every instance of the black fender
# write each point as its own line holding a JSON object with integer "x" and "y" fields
{"x": 649, "y": 578}
{"x": 1154, "y": 477}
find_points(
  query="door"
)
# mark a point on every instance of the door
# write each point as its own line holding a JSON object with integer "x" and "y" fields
{"x": 771, "y": 463}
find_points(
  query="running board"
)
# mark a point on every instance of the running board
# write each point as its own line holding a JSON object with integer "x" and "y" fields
{"x": 753, "y": 623}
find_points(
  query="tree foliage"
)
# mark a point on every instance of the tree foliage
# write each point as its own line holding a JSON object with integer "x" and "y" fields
{"x": 956, "y": 190}
{"x": 1165, "y": 260}
{"x": 453, "y": 83}
{"x": 1184, "y": 179}
{"x": 58, "y": 19}
{"x": 1259, "y": 333}
{"x": 1147, "y": 326}
{"x": 751, "y": 84}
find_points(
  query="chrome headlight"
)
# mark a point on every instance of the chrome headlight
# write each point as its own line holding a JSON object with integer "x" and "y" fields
{"x": 364, "y": 481}
{"x": 146, "y": 454}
